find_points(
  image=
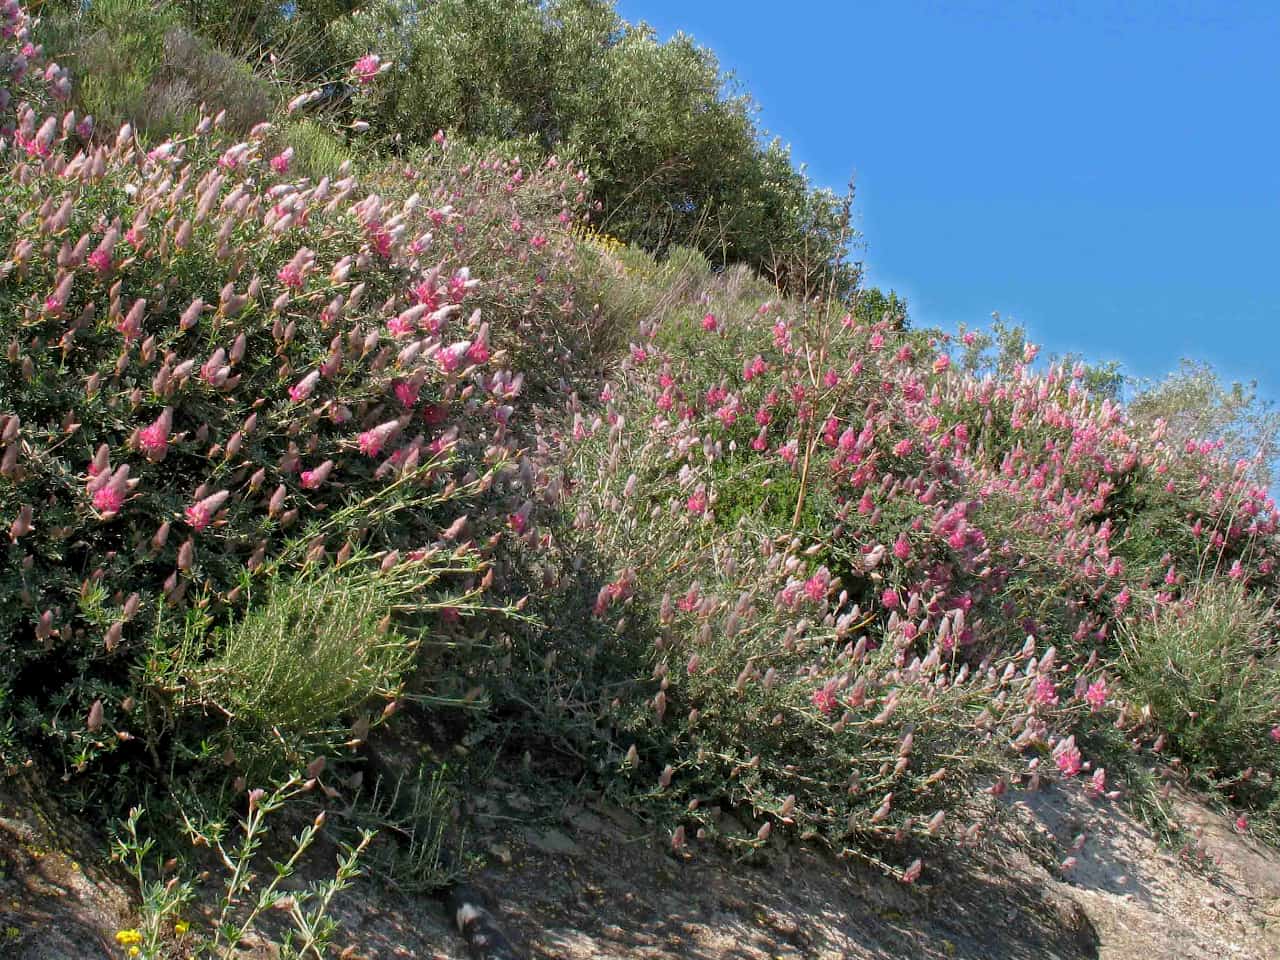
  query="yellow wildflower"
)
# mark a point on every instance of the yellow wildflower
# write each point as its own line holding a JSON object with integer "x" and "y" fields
{"x": 181, "y": 927}
{"x": 128, "y": 937}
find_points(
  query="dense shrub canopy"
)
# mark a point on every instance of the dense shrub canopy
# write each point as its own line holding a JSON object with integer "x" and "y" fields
{"x": 672, "y": 144}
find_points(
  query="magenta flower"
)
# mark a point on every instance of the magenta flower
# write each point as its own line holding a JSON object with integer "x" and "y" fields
{"x": 108, "y": 499}
{"x": 280, "y": 162}
{"x": 1096, "y": 695}
{"x": 372, "y": 441}
{"x": 709, "y": 323}
{"x": 301, "y": 390}
{"x": 153, "y": 440}
{"x": 312, "y": 479}
{"x": 201, "y": 514}
{"x": 824, "y": 700}
{"x": 1068, "y": 758}
{"x": 1045, "y": 692}
{"x": 366, "y": 68}
{"x": 816, "y": 587}
{"x": 100, "y": 260}
{"x": 291, "y": 277}
{"x": 407, "y": 392}
{"x": 890, "y": 599}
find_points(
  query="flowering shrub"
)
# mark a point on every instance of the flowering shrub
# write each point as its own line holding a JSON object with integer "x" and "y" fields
{"x": 842, "y": 559}
{"x": 216, "y": 371}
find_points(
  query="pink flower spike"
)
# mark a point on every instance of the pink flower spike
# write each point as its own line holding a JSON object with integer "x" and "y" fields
{"x": 1096, "y": 695}
{"x": 201, "y": 514}
{"x": 372, "y": 441}
{"x": 366, "y": 68}
{"x": 153, "y": 440}
{"x": 1068, "y": 758}
{"x": 280, "y": 162}
{"x": 108, "y": 500}
{"x": 312, "y": 479}
{"x": 301, "y": 390}
{"x": 824, "y": 700}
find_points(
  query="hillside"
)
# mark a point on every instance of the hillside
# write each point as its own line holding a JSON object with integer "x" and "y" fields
{"x": 372, "y": 512}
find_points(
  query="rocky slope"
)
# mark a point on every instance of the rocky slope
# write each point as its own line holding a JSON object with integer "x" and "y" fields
{"x": 591, "y": 882}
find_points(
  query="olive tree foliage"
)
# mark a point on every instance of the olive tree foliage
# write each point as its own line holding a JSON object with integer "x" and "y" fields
{"x": 1197, "y": 405}
{"x": 674, "y": 150}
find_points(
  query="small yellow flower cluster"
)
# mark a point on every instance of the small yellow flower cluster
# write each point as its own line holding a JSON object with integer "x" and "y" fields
{"x": 130, "y": 939}
{"x": 606, "y": 242}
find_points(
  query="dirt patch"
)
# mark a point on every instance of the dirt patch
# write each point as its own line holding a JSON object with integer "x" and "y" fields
{"x": 57, "y": 898}
{"x": 592, "y": 882}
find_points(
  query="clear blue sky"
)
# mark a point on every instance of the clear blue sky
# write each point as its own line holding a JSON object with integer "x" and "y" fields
{"x": 1107, "y": 173}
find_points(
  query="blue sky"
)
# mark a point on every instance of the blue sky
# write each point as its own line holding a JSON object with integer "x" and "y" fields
{"x": 1106, "y": 173}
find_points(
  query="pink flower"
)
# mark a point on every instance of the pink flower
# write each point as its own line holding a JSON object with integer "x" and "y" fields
{"x": 108, "y": 499}
{"x": 697, "y": 503}
{"x": 902, "y": 547}
{"x": 816, "y": 587}
{"x": 201, "y": 514}
{"x": 903, "y": 448}
{"x": 1045, "y": 692}
{"x": 372, "y": 441}
{"x": 154, "y": 439}
{"x": 312, "y": 479}
{"x": 1121, "y": 600}
{"x": 824, "y": 700}
{"x": 537, "y": 241}
{"x": 280, "y": 162}
{"x": 709, "y": 323}
{"x": 450, "y": 358}
{"x": 407, "y": 392}
{"x": 1096, "y": 695}
{"x": 1242, "y": 824}
{"x": 1068, "y": 758}
{"x": 100, "y": 260}
{"x": 301, "y": 390}
{"x": 400, "y": 326}
{"x": 366, "y": 68}
{"x": 890, "y": 599}
{"x": 291, "y": 277}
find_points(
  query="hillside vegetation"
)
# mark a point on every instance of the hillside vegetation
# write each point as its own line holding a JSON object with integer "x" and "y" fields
{"x": 368, "y": 426}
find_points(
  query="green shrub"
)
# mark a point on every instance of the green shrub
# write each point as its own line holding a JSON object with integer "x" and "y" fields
{"x": 136, "y": 63}
{"x": 675, "y": 153}
{"x": 320, "y": 645}
{"x": 1209, "y": 669}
